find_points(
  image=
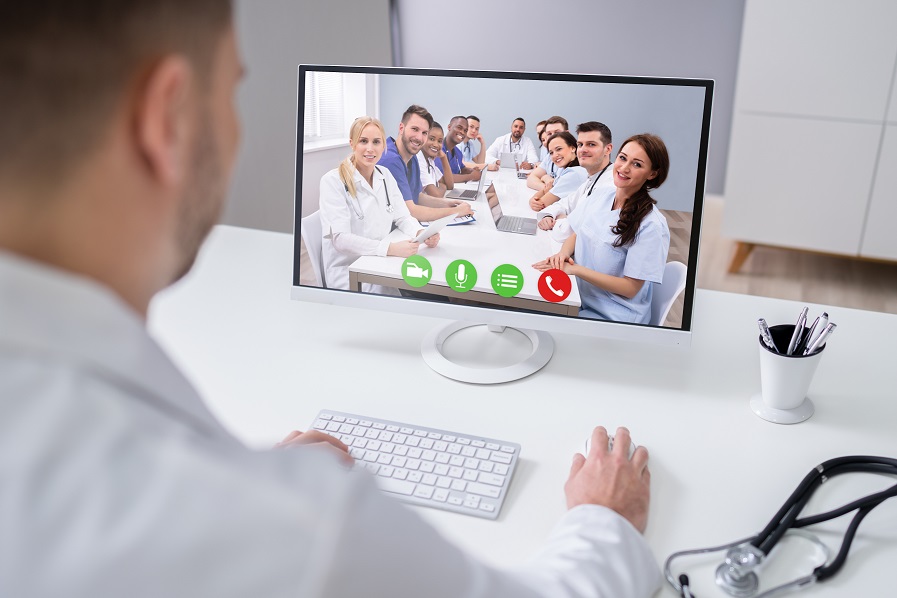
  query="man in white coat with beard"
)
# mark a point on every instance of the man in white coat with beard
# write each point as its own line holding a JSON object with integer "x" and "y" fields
{"x": 119, "y": 133}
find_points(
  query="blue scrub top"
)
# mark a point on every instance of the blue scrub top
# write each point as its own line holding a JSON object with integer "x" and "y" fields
{"x": 406, "y": 175}
{"x": 643, "y": 259}
{"x": 549, "y": 166}
{"x": 470, "y": 149}
{"x": 567, "y": 180}
{"x": 455, "y": 158}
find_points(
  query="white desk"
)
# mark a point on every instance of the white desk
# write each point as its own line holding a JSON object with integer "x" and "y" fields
{"x": 267, "y": 364}
{"x": 484, "y": 246}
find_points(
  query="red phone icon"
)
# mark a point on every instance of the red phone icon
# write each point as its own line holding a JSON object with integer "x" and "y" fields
{"x": 555, "y": 285}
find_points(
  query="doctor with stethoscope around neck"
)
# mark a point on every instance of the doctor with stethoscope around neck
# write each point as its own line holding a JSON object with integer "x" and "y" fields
{"x": 360, "y": 203}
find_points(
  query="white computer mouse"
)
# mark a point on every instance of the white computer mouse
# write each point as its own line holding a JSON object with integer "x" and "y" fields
{"x": 610, "y": 445}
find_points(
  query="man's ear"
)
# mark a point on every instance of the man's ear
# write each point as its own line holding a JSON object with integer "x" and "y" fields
{"x": 163, "y": 119}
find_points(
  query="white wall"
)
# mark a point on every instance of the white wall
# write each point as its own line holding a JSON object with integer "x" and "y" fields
{"x": 276, "y": 36}
{"x": 686, "y": 38}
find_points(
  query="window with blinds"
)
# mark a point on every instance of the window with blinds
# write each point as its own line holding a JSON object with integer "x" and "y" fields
{"x": 324, "y": 107}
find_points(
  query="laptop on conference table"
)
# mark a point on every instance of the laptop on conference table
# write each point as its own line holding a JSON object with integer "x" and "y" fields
{"x": 508, "y": 224}
{"x": 469, "y": 194}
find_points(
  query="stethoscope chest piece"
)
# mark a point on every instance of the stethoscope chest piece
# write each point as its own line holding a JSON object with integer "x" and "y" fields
{"x": 736, "y": 575}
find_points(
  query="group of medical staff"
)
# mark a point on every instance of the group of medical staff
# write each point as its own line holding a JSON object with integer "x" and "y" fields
{"x": 615, "y": 240}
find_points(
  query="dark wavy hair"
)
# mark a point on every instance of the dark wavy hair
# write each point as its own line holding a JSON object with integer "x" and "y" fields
{"x": 641, "y": 203}
{"x": 570, "y": 140}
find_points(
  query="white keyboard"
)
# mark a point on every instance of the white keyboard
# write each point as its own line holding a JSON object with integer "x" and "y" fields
{"x": 424, "y": 466}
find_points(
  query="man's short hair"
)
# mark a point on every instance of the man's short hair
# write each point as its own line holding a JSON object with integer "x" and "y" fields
{"x": 541, "y": 123}
{"x": 472, "y": 117}
{"x": 554, "y": 120}
{"x": 454, "y": 118}
{"x": 594, "y": 125}
{"x": 418, "y": 110}
{"x": 65, "y": 65}
{"x": 520, "y": 118}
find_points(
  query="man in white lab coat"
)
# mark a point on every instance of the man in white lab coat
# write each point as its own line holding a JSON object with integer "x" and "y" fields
{"x": 118, "y": 134}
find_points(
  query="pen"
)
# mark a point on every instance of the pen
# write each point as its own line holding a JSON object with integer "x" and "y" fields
{"x": 798, "y": 329}
{"x": 822, "y": 338}
{"x": 805, "y": 341}
{"x": 823, "y": 322}
{"x": 765, "y": 335}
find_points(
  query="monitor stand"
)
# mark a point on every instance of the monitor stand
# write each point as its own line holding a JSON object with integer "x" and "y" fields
{"x": 488, "y": 348}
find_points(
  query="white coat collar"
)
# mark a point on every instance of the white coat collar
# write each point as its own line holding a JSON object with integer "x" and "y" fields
{"x": 58, "y": 316}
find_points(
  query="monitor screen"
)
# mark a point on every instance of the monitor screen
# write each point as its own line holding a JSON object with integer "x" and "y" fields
{"x": 430, "y": 192}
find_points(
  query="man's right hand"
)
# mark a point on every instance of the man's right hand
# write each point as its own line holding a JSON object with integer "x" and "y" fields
{"x": 546, "y": 223}
{"x": 463, "y": 209}
{"x": 611, "y": 479}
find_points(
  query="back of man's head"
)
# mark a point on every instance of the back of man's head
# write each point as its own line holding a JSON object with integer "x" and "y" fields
{"x": 65, "y": 64}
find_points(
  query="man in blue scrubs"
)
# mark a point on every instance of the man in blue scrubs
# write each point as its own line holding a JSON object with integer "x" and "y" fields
{"x": 400, "y": 158}
{"x": 454, "y": 137}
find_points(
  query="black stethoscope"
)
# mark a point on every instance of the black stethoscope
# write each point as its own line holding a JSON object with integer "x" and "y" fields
{"x": 736, "y": 575}
{"x": 589, "y": 194}
{"x": 358, "y": 213}
{"x": 511, "y": 145}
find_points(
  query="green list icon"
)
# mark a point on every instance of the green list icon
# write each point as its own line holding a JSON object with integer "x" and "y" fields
{"x": 417, "y": 271}
{"x": 461, "y": 275}
{"x": 507, "y": 280}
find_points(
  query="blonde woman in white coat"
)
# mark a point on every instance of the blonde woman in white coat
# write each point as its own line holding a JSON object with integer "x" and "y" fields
{"x": 360, "y": 203}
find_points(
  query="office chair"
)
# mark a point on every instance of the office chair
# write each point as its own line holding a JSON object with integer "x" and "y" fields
{"x": 312, "y": 237}
{"x": 665, "y": 294}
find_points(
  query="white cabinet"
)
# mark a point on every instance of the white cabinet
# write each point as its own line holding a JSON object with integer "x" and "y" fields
{"x": 881, "y": 228}
{"x": 812, "y": 101}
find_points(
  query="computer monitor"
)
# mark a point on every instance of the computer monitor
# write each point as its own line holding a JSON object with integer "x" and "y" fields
{"x": 476, "y": 273}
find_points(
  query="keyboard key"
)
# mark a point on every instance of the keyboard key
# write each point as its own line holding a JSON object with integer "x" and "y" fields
{"x": 427, "y": 466}
{"x": 491, "y": 446}
{"x": 440, "y": 495}
{"x": 507, "y": 449}
{"x": 470, "y": 476}
{"x": 457, "y": 461}
{"x": 459, "y": 485}
{"x": 385, "y": 436}
{"x": 428, "y": 455}
{"x": 478, "y": 443}
{"x": 400, "y": 474}
{"x": 434, "y": 436}
{"x": 440, "y": 446}
{"x": 463, "y": 441}
{"x": 469, "y": 451}
{"x": 415, "y": 476}
{"x": 472, "y": 501}
{"x": 396, "y": 486}
{"x": 443, "y": 482}
{"x": 491, "y": 479}
{"x": 487, "y": 466}
{"x": 426, "y": 443}
{"x": 386, "y": 471}
{"x": 399, "y": 450}
{"x": 406, "y": 431}
{"x": 487, "y": 506}
{"x": 442, "y": 458}
{"x": 339, "y": 418}
{"x": 326, "y": 416}
{"x": 364, "y": 422}
{"x": 423, "y": 491}
{"x": 500, "y": 469}
{"x": 501, "y": 458}
{"x": 483, "y": 490}
{"x": 455, "y": 472}
{"x": 332, "y": 427}
{"x": 429, "y": 479}
{"x": 372, "y": 467}
{"x": 483, "y": 453}
{"x": 351, "y": 420}
{"x": 320, "y": 424}
{"x": 392, "y": 428}
{"x": 454, "y": 449}
{"x": 455, "y": 500}
{"x": 378, "y": 426}
{"x": 399, "y": 461}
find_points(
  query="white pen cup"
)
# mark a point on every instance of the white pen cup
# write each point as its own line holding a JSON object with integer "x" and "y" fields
{"x": 785, "y": 379}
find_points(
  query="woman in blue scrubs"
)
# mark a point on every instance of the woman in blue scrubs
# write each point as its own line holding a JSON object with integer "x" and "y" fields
{"x": 620, "y": 241}
{"x": 569, "y": 175}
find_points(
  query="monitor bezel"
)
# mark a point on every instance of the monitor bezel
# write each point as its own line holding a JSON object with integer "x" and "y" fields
{"x": 499, "y": 316}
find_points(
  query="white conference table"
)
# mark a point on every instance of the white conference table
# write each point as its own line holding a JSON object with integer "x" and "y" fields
{"x": 266, "y": 365}
{"x": 485, "y": 247}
